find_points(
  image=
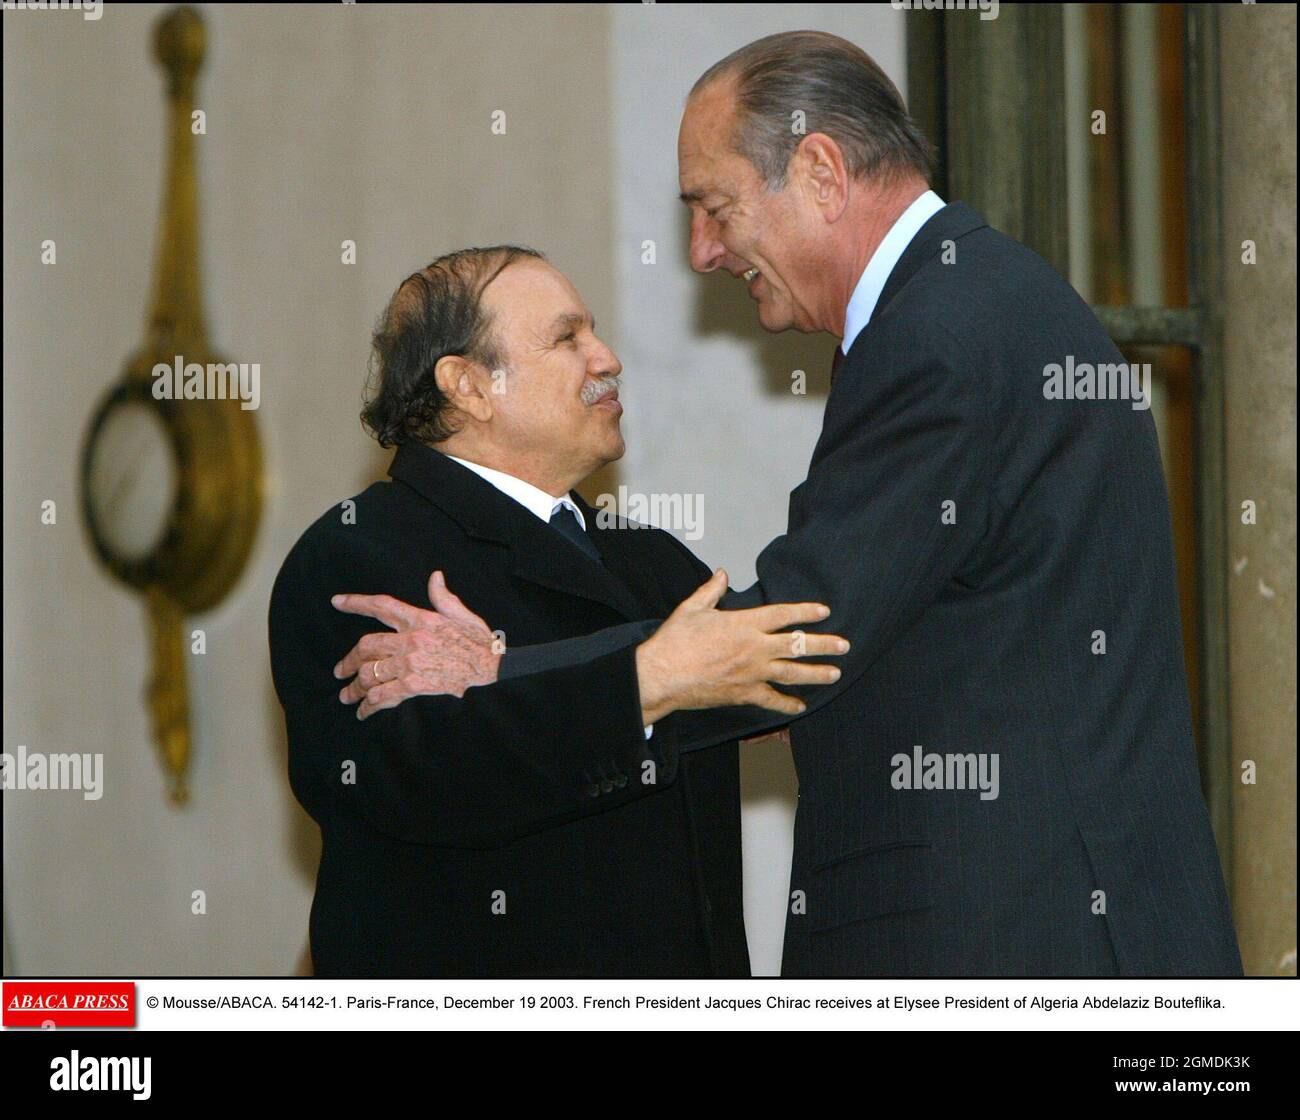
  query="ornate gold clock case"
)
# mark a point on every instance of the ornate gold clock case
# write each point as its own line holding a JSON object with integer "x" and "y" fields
{"x": 171, "y": 488}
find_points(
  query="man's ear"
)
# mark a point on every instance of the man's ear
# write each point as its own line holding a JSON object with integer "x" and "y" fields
{"x": 820, "y": 162}
{"x": 463, "y": 384}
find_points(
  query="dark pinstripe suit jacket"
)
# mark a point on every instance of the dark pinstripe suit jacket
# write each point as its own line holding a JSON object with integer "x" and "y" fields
{"x": 981, "y": 545}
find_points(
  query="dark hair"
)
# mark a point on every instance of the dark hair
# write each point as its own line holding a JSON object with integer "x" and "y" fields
{"x": 434, "y": 313}
{"x": 842, "y": 92}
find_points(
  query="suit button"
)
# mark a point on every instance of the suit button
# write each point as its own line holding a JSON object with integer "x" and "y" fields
{"x": 606, "y": 786}
{"x": 593, "y": 790}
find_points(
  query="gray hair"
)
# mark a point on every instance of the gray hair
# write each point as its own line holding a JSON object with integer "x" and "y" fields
{"x": 842, "y": 93}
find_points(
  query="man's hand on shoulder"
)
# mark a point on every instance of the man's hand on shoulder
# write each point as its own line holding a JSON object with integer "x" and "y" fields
{"x": 442, "y": 651}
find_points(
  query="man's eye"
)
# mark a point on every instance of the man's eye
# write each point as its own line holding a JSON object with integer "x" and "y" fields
{"x": 568, "y": 337}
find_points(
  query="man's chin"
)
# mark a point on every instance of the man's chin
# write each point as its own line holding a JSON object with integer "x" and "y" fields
{"x": 608, "y": 448}
{"x": 773, "y": 319}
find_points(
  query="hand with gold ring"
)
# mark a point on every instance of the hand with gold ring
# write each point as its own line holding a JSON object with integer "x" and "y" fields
{"x": 439, "y": 652}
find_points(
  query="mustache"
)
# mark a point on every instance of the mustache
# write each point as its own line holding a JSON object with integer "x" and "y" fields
{"x": 593, "y": 391}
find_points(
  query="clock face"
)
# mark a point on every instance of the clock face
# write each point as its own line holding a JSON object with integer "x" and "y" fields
{"x": 132, "y": 481}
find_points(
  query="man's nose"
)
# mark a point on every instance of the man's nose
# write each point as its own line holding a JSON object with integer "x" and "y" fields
{"x": 606, "y": 363}
{"x": 706, "y": 249}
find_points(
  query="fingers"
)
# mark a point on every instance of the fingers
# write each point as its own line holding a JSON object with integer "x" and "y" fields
{"x": 799, "y": 643}
{"x": 389, "y": 682}
{"x": 448, "y": 604}
{"x": 372, "y": 647}
{"x": 777, "y": 616}
{"x": 371, "y": 675}
{"x": 391, "y": 693}
{"x": 706, "y": 596}
{"x": 802, "y": 672}
{"x": 765, "y": 696}
{"x": 385, "y": 696}
{"x": 391, "y": 612}
{"x": 443, "y": 635}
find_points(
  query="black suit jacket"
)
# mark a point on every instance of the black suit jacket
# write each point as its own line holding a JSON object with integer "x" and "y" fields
{"x": 974, "y": 634}
{"x": 528, "y": 829}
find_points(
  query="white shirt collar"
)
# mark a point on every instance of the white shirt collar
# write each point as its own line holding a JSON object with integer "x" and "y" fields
{"x": 535, "y": 501}
{"x": 872, "y": 282}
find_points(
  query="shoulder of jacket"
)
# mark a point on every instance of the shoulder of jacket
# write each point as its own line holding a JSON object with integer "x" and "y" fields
{"x": 670, "y": 540}
{"x": 346, "y": 530}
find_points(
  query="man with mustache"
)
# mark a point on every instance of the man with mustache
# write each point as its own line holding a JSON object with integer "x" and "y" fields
{"x": 1000, "y": 558}
{"x": 523, "y": 829}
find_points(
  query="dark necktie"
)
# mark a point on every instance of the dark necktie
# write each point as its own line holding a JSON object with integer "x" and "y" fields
{"x": 563, "y": 520}
{"x": 836, "y": 362}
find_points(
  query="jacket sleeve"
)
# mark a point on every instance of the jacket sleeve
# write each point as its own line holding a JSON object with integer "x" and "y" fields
{"x": 895, "y": 500}
{"x": 505, "y": 760}
{"x": 524, "y": 660}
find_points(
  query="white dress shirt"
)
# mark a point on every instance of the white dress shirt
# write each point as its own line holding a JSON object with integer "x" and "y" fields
{"x": 872, "y": 282}
{"x": 535, "y": 500}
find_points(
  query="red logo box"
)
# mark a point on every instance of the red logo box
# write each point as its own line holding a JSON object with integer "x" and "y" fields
{"x": 38, "y": 1003}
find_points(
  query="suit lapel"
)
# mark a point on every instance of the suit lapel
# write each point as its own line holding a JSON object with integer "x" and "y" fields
{"x": 555, "y": 563}
{"x": 618, "y": 542}
{"x": 538, "y": 553}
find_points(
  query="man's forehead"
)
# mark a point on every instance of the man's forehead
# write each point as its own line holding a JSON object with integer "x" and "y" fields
{"x": 572, "y": 318}
{"x": 532, "y": 281}
{"x": 698, "y": 171}
{"x": 706, "y": 120}
{"x": 536, "y": 296}
{"x": 704, "y": 154}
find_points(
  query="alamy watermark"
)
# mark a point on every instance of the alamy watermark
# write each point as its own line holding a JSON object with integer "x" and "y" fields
{"x": 22, "y": 770}
{"x": 930, "y": 770}
{"x": 216, "y": 381}
{"x": 988, "y": 9}
{"x": 678, "y": 513}
{"x": 90, "y": 9}
{"x": 1083, "y": 381}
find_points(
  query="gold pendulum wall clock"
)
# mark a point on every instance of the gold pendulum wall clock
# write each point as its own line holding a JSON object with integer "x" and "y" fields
{"x": 171, "y": 481}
